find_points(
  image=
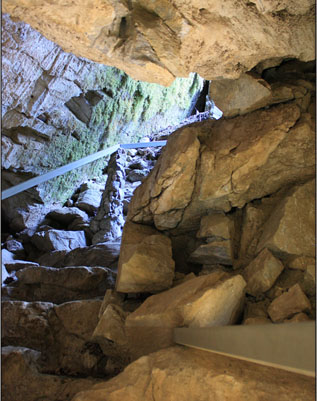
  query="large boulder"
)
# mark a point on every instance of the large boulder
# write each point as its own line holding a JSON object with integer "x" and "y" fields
{"x": 223, "y": 164}
{"x": 181, "y": 373}
{"x": 59, "y": 240}
{"x": 209, "y": 300}
{"x": 145, "y": 263}
{"x": 290, "y": 230}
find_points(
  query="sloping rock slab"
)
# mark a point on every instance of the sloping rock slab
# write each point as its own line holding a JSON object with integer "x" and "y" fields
{"x": 67, "y": 215}
{"x": 58, "y": 240}
{"x": 209, "y": 300}
{"x": 22, "y": 380}
{"x": 180, "y": 373}
{"x": 104, "y": 254}
{"x": 56, "y": 285}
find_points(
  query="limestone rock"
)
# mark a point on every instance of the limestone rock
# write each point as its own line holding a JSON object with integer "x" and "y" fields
{"x": 290, "y": 231}
{"x": 16, "y": 265}
{"x": 213, "y": 253}
{"x": 59, "y": 240}
{"x": 168, "y": 188}
{"x": 181, "y": 373}
{"x": 61, "y": 285}
{"x": 25, "y": 324}
{"x": 89, "y": 201}
{"x": 214, "y": 299}
{"x": 67, "y": 215}
{"x": 104, "y": 254}
{"x": 289, "y": 303}
{"x": 262, "y": 272}
{"x": 157, "y": 42}
{"x": 217, "y": 226}
{"x": 111, "y": 297}
{"x": 110, "y": 333}
{"x": 145, "y": 263}
{"x": 73, "y": 352}
{"x": 302, "y": 263}
{"x": 240, "y": 96}
{"x": 299, "y": 317}
{"x": 22, "y": 379}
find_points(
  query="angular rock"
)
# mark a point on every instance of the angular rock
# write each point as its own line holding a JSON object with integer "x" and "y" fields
{"x": 217, "y": 226}
{"x": 22, "y": 379}
{"x": 25, "y": 324}
{"x": 262, "y": 272}
{"x": 290, "y": 230}
{"x": 302, "y": 263}
{"x": 214, "y": 252}
{"x": 240, "y": 96}
{"x": 288, "y": 304}
{"x": 110, "y": 333}
{"x": 111, "y": 297}
{"x": 145, "y": 263}
{"x": 89, "y": 201}
{"x": 18, "y": 265}
{"x": 59, "y": 240}
{"x": 168, "y": 188}
{"x": 73, "y": 352}
{"x": 104, "y": 254}
{"x": 136, "y": 175}
{"x": 211, "y": 300}
{"x": 182, "y": 373}
{"x": 299, "y": 317}
{"x": 67, "y": 215}
{"x": 61, "y": 285}
{"x": 15, "y": 247}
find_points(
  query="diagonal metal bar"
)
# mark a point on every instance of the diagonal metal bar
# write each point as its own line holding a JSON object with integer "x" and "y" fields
{"x": 288, "y": 346}
{"x": 7, "y": 193}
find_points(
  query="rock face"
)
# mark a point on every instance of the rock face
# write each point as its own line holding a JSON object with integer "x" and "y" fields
{"x": 57, "y": 108}
{"x": 180, "y": 373}
{"x": 145, "y": 263}
{"x": 156, "y": 41}
{"x": 210, "y": 300}
{"x": 291, "y": 229}
{"x": 262, "y": 273}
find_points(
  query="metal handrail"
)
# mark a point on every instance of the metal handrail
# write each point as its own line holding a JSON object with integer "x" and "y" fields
{"x": 7, "y": 193}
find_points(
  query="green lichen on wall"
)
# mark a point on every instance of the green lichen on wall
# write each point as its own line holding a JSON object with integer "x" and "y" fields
{"x": 127, "y": 111}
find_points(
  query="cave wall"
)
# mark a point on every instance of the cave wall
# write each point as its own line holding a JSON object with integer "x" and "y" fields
{"x": 58, "y": 108}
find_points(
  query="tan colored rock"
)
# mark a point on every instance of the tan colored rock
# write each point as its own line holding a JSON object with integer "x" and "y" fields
{"x": 308, "y": 283}
{"x": 156, "y": 41}
{"x": 181, "y": 373}
{"x": 168, "y": 188}
{"x": 25, "y": 324}
{"x": 214, "y": 299}
{"x": 218, "y": 226}
{"x": 111, "y": 297}
{"x": 240, "y": 96}
{"x": 110, "y": 333}
{"x": 289, "y": 303}
{"x": 72, "y": 352}
{"x": 251, "y": 163}
{"x": 262, "y": 272}
{"x": 299, "y": 317}
{"x": 290, "y": 230}
{"x": 22, "y": 380}
{"x": 301, "y": 263}
{"x": 145, "y": 263}
{"x": 213, "y": 253}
